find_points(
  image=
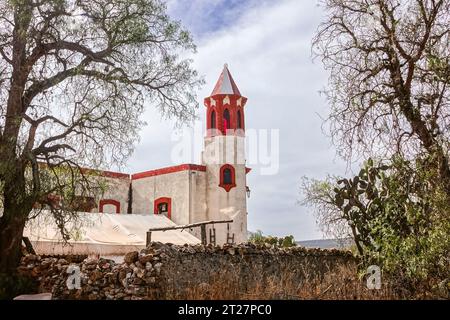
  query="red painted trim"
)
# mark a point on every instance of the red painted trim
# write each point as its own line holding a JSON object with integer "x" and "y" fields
{"x": 227, "y": 187}
{"x": 162, "y": 200}
{"x": 118, "y": 175}
{"x": 247, "y": 170}
{"x": 104, "y": 202}
{"x": 157, "y": 172}
{"x": 109, "y": 174}
{"x": 103, "y": 173}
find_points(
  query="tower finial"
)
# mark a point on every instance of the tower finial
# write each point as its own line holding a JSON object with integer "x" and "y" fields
{"x": 225, "y": 65}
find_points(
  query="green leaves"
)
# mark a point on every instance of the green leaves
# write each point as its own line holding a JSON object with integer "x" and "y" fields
{"x": 398, "y": 213}
{"x": 282, "y": 242}
{"x": 440, "y": 67}
{"x": 75, "y": 78}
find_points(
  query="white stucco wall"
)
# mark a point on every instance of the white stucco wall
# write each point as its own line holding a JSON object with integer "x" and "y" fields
{"x": 185, "y": 188}
{"x": 198, "y": 205}
{"x": 116, "y": 189}
{"x": 223, "y": 205}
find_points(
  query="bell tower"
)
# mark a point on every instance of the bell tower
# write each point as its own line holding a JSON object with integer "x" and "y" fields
{"x": 224, "y": 158}
{"x": 225, "y": 107}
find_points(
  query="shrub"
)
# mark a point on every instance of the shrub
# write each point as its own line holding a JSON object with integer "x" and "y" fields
{"x": 282, "y": 242}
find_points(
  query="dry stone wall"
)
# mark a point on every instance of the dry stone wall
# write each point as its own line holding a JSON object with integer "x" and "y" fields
{"x": 165, "y": 271}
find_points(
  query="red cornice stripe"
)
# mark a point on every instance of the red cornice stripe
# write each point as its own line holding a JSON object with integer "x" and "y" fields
{"x": 88, "y": 171}
{"x": 157, "y": 172}
{"x": 111, "y": 174}
{"x": 103, "y": 173}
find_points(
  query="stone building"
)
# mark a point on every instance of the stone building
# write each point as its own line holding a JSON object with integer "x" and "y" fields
{"x": 216, "y": 189}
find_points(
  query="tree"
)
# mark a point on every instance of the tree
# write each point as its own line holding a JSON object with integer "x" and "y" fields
{"x": 389, "y": 63}
{"x": 74, "y": 77}
{"x": 396, "y": 212}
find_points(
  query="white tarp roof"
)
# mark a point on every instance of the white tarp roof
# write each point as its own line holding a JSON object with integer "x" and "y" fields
{"x": 103, "y": 233}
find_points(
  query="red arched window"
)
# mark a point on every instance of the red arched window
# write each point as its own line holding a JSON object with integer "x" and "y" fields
{"x": 239, "y": 120}
{"x": 213, "y": 120}
{"x": 226, "y": 120}
{"x": 112, "y": 202}
{"x": 163, "y": 206}
{"x": 227, "y": 177}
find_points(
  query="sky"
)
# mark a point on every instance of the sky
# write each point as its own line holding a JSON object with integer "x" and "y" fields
{"x": 267, "y": 45}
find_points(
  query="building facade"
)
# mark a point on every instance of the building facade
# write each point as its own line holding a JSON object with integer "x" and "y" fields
{"x": 216, "y": 189}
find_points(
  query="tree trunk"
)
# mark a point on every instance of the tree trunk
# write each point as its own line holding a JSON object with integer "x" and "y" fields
{"x": 418, "y": 125}
{"x": 11, "y": 226}
{"x": 444, "y": 169}
{"x": 434, "y": 149}
{"x": 16, "y": 208}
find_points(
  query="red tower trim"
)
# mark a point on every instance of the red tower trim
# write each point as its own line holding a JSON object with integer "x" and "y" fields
{"x": 104, "y": 202}
{"x": 225, "y": 96}
{"x": 157, "y": 172}
{"x": 227, "y": 186}
{"x": 163, "y": 200}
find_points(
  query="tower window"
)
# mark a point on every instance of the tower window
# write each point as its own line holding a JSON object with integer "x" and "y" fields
{"x": 213, "y": 120}
{"x": 239, "y": 123}
{"x": 226, "y": 119}
{"x": 227, "y": 177}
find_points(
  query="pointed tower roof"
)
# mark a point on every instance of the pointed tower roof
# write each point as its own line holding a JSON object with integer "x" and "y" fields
{"x": 225, "y": 84}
